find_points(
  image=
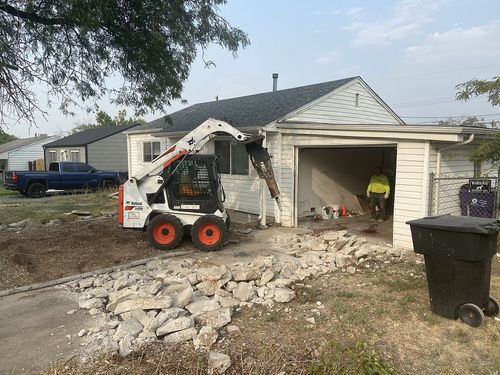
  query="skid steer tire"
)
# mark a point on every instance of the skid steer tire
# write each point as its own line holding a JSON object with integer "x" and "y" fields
{"x": 209, "y": 233}
{"x": 165, "y": 232}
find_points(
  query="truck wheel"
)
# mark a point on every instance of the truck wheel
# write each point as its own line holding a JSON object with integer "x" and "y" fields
{"x": 105, "y": 184}
{"x": 36, "y": 190}
{"x": 165, "y": 232}
{"x": 209, "y": 233}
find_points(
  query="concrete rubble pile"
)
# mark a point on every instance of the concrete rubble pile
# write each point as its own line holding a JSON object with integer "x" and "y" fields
{"x": 175, "y": 300}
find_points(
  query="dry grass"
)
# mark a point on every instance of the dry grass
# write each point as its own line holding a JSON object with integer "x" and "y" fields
{"x": 51, "y": 207}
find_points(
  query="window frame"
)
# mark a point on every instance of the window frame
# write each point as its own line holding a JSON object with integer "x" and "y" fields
{"x": 151, "y": 150}
{"x": 74, "y": 152}
{"x": 231, "y": 144}
{"x": 52, "y": 156}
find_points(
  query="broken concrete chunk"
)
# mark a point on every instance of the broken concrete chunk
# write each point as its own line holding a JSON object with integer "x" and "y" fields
{"x": 121, "y": 282}
{"x": 175, "y": 325}
{"x": 211, "y": 273}
{"x": 244, "y": 292}
{"x": 267, "y": 276}
{"x": 342, "y": 260}
{"x": 205, "y": 338}
{"x": 92, "y": 303}
{"x": 128, "y": 327}
{"x": 246, "y": 273}
{"x": 125, "y": 346}
{"x": 163, "y": 302}
{"x": 180, "y": 336}
{"x": 233, "y": 330}
{"x": 183, "y": 297}
{"x": 351, "y": 269}
{"x": 284, "y": 295}
{"x": 218, "y": 363}
{"x": 201, "y": 306}
{"x": 216, "y": 318}
{"x": 209, "y": 287}
{"x": 86, "y": 283}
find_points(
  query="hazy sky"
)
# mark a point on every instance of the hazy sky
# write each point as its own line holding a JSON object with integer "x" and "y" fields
{"x": 411, "y": 52}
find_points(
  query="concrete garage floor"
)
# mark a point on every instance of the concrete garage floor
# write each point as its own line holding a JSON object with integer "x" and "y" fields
{"x": 360, "y": 225}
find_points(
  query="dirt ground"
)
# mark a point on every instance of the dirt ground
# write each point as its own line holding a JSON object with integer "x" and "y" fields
{"x": 376, "y": 321}
{"x": 42, "y": 254}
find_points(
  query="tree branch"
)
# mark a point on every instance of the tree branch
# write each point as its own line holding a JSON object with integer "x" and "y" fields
{"x": 9, "y": 9}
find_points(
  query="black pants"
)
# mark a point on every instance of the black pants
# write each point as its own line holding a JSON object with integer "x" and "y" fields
{"x": 377, "y": 199}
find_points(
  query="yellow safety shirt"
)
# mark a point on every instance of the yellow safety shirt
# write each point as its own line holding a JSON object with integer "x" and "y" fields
{"x": 379, "y": 184}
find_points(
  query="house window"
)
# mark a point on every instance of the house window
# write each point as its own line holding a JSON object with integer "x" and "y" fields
{"x": 52, "y": 156}
{"x": 75, "y": 155}
{"x": 357, "y": 100}
{"x": 151, "y": 151}
{"x": 232, "y": 157}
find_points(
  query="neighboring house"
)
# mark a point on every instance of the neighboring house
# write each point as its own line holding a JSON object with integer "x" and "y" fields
{"x": 104, "y": 148}
{"x": 326, "y": 140}
{"x": 21, "y": 154}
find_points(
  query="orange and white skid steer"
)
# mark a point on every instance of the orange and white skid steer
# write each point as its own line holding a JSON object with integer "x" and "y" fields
{"x": 181, "y": 190}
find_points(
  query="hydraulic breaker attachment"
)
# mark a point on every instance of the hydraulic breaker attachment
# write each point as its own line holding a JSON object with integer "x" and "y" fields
{"x": 261, "y": 161}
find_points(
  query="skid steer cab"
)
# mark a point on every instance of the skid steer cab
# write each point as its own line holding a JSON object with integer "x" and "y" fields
{"x": 181, "y": 191}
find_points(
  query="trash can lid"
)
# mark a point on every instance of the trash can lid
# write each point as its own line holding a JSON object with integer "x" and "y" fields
{"x": 467, "y": 224}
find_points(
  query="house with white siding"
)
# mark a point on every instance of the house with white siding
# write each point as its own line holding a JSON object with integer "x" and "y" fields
{"x": 104, "y": 148}
{"x": 21, "y": 154}
{"x": 326, "y": 140}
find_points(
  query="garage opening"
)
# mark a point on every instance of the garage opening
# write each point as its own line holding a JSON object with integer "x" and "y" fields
{"x": 336, "y": 176}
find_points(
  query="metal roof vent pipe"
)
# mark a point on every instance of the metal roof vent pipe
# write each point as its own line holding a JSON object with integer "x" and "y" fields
{"x": 275, "y": 81}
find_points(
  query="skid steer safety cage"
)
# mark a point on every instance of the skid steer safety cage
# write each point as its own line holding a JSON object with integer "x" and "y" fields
{"x": 464, "y": 196}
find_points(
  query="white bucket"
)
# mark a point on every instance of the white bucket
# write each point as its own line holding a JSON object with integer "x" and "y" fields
{"x": 324, "y": 214}
{"x": 335, "y": 211}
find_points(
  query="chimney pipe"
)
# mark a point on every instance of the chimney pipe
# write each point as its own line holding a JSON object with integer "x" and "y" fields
{"x": 275, "y": 81}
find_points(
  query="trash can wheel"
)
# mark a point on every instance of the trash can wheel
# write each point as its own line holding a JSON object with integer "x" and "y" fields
{"x": 491, "y": 308}
{"x": 471, "y": 314}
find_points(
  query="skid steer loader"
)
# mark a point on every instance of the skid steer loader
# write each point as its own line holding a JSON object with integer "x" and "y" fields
{"x": 181, "y": 190}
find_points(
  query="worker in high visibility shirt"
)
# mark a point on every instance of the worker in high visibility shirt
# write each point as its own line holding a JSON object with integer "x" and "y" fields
{"x": 378, "y": 191}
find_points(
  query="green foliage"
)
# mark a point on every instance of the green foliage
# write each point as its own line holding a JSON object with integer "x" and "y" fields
{"x": 488, "y": 151}
{"x": 357, "y": 359}
{"x": 476, "y": 87}
{"x": 469, "y": 121}
{"x": 74, "y": 46}
{"x": 4, "y": 137}
{"x": 102, "y": 119}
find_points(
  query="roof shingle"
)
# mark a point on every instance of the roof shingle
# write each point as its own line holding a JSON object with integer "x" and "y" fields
{"x": 247, "y": 111}
{"x": 88, "y": 136}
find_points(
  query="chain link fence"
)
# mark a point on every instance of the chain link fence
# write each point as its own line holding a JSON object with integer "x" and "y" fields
{"x": 464, "y": 196}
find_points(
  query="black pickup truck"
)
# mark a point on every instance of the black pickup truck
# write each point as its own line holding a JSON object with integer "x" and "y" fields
{"x": 61, "y": 175}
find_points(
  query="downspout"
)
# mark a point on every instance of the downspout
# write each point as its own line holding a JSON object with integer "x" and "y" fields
{"x": 263, "y": 206}
{"x": 438, "y": 163}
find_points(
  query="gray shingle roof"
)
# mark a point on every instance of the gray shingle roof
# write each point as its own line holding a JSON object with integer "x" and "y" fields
{"x": 247, "y": 111}
{"x": 18, "y": 143}
{"x": 88, "y": 136}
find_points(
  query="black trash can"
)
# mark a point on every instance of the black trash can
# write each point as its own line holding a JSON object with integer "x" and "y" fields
{"x": 476, "y": 203}
{"x": 458, "y": 252}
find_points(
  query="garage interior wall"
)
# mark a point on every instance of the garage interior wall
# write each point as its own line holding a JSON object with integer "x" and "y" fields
{"x": 335, "y": 175}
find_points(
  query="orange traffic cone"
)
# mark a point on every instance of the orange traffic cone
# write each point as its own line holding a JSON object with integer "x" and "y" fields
{"x": 343, "y": 210}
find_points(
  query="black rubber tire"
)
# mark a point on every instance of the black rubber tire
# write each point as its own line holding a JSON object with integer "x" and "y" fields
{"x": 209, "y": 233}
{"x": 160, "y": 232}
{"x": 492, "y": 309}
{"x": 36, "y": 190}
{"x": 471, "y": 314}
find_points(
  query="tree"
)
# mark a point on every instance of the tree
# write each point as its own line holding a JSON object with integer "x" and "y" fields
{"x": 4, "y": 137}
{"x": 73, "y": 46}
{"x": 476, "y": 87}
{"x": 488, "y": 151}
{"x": 102, "y": 119}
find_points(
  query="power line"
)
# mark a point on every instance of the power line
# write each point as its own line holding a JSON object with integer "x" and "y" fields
{"x": 448, "y": 116}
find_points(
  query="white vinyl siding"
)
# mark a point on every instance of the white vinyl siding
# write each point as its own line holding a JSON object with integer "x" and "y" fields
{"x": 339, "y": 107}
{"x": 64, "y": 154}
{"x": 18, "y": 160}
{"x": 409, "y": 203}
{"x": 135, "y": 155}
